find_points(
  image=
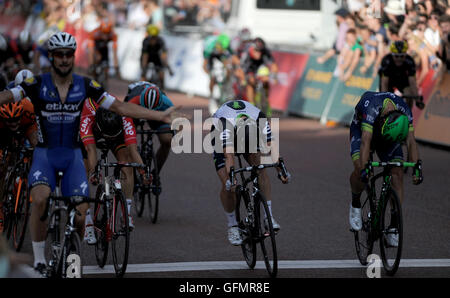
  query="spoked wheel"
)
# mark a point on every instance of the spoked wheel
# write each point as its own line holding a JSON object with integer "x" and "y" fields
{"x": 101, "y": 228}
{"x": 21, "y": 214}
{"x": 153, "y": 194}
{"x": 120, "y": 234}
{"x": 73, "y": 261}
{"x": 363, "y": 238}
{"x": 138, "y": 195}
{"x": 391, "y": 228}
{"x": 267, "y": 237}
{"x": 245, "y": 223}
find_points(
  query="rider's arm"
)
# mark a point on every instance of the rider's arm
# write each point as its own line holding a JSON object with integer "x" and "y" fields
{"x": 136, "y": 111}
{"x": 114, "y": 47}
{"x": 366, "y": 139}
{"x": 384, "y": 83}
{"x": 413, "y": 155}
{"x": 91, "y": 150}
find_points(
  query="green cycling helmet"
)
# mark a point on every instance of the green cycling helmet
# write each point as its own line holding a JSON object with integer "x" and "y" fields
{"x": 395, "y": 127}
{"x": 223, "y": 40}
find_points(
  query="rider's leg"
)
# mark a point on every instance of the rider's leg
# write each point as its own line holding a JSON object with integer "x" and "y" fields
{"x": 250, "y": 89}
{"x": 123, "y": 156}
{"x": 38, "y": 228}
{"x": 165, "y": 140}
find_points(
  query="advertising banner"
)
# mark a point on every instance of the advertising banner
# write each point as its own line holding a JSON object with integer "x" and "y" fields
{"x": 290, "y": 68}
{"x": 311, "y": 93}
{"x": 432, "y": 124}
{"x": 348, "y": 93}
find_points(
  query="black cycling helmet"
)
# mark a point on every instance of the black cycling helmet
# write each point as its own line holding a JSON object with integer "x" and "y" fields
{"x": 399, "y": 47}
{"x": 259, "y": 43}
{"x": 109, "y": 123}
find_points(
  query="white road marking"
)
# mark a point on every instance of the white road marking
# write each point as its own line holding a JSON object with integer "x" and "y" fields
{"x": 240, "y": 265}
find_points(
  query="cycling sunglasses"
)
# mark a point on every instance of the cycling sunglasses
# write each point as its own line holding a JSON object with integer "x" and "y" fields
{"x": 399, "y": 55}
{"x": 61, "y": 54}
{"x": 12, "y": 120}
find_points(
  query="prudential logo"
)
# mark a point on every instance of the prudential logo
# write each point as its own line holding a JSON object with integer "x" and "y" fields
{"x": 374, "y": 266}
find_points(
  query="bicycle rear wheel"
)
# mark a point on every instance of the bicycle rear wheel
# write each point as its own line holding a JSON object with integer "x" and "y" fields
{"x": 101, "y": 228}
{"x": 120, "y": 233}
{"x": 391, "y": 224}
{"x": 21, "y": 214}
{"x": 246, "y": 223}
{"x": 138, "y": 195}
{"x": 363, "y": 238}
{"x": 267, "y": 236}
{"x": 153, "y": 194}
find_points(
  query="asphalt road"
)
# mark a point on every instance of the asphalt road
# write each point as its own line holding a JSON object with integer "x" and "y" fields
{"x": 190, "y": 238}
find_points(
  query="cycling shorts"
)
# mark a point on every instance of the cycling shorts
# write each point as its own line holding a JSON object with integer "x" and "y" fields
{"x": 46, "y": 164}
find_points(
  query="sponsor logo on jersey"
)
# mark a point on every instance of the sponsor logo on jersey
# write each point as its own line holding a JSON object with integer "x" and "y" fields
{"x": 30, "y": 81}
{"x": 95, "y": 84}
{"x": 236, "y": 105}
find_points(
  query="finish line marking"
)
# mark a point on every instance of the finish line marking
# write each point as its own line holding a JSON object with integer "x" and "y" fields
{"x": 241, "y": 265}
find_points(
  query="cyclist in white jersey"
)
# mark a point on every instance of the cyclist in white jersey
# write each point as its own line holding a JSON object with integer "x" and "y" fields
{"x": 232, "y": 125}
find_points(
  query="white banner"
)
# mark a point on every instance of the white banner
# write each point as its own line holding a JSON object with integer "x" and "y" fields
{"x": 185, "y": 59}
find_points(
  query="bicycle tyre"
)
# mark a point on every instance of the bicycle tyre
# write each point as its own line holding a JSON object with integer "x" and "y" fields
{"x": 266, "y": 232}
{"x": 101, "y": 228}
{"x": 153, "y": 199}
{"x": 391, "y": 265}
{"x": 120, "y": 229}
{"x": 73, "y": 248}
{"x": 138, "y": 195}
{"x": 21, "y": 215}
{"x": 363, "y": 239}
{"x": 245, "y": 225}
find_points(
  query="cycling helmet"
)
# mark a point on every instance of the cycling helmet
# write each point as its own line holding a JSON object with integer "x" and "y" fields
{"x": 3, "y": 43}
{"x": 11, "y": 110}
{"x": 109, "y": 123}
{"x": 25, "y": 38}
{"x": 152, "y": 30}
{"x": 62, "y": 40}
{"x": 106, "y": 26}
{"x": 399, "y": 47}
{"x": 245, "y": 34}
{"x": 246, "y": 136}
{"x": 22, "y": 76}
{"x": 259, "y": 43}
{"x": 395, "y": 127}
{"x": 150, "y": 97}
{"x": 223, "y": 41}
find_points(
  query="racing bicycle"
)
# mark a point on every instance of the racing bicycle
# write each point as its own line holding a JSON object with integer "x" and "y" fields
{"x": 381, "y": 218}
{"x": 251, "y": 211}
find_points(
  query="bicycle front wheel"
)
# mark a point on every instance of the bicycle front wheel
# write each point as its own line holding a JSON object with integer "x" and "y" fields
{"x": 245, "y": 222}
{"x": 155, "y": 189}
{"x": 391, "y": 228}
{"x": 138, "y": 195}
{"x": 120, "y": 233}
{"x": 363, "y": 238}
{"x": 267, "y": 236}
{"x": 21, "y": 214}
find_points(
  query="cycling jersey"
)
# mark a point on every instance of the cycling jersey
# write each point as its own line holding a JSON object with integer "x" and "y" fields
{"x": 221, "y": 56}
{"x": 224, "y": 125}
{"x": 25, "y": 53}
{"x": 100, "y": 40}
{"x": 398, "y": 75}
{"x": 27, "y": 125}
{"x": 58, "y": 123}
{"x": 90, "y": 134}
{"x": 367, "y": 114}
{"x": 154, "y": 50}
{"x": 250, "y": 65}
{"x": 149, "y": 96}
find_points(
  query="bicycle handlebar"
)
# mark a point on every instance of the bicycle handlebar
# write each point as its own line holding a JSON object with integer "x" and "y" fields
{"x": 279, "y": 164}
{"x": 152, "y": 131}
{"x": 392, "y": 164}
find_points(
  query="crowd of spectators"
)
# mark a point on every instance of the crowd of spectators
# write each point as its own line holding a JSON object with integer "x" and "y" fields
{"x": 134, "y": 14}
{"x": 366, "y": 28}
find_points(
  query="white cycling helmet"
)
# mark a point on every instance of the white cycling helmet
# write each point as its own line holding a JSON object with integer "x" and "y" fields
{"x": 22, "y": 76}
{"x": 62, "y": 40}
{"x": 3, "y": 43}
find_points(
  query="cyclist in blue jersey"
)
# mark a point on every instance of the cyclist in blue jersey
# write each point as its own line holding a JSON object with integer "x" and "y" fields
{"x": 58, "y": 100}
{"x": 149, "y": 96}
{"x": 382, "y": 121}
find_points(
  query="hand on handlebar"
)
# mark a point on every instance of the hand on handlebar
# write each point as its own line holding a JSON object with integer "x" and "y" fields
{"x": 95, "y": 178}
